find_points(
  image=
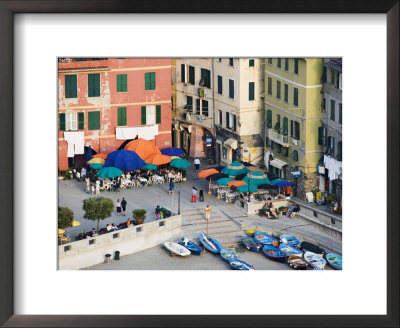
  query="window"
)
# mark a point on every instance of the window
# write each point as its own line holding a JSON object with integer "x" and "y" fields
{"x": 270, "y": 61}
{"x": 219, "y": 84}
{"x": 324, "y": 73}
{"x": 269, "y": 118}
{"x": 331, "y": 145}
{"x": 295, "y": 96}
{"x": 62, "y": 121}
{"x": 279, "y": 63}
{"x": 161, "y": 224}
{"x": 332, "y": 76}
{"x": 94, "y": 85}
{"x": 94, "y": 120}
{"x": 339, "y": 151}
{"x": 337, "y": 80}
{"x": 324, "y": 104}
{"x": 183, "y": 73}
{"x": 285, "y": 151}
{"x": 92, "y": 241}
{"x": 81, "y": 121}
{"x": 205, "y": 78}
{"x": 227, "y": 119}
{"x": 296, "y": 66}
{"x": 251, "y": 90}
{"x": 220, "y": 59}
{"x": 322, "y": 136}
{"x": 70, "y": 86}
{"x": 285, "y": 127}
{"x": 191, "y": 75}
{"x": 230, "y": 61}
{"x": 340, "y": 113}
{"x": 251, "y": 62}
{"x": 295, "y": 155}
{"x": 115, "y": 235}
{"x": 278, "y": 89}
{"x": 198, "y": 106}
{"x": 204, "y": 108}
{"x": 151, "y": 115}
{"x": 231, "y": 89}
{"x": 189, "y": 103}
{"x": 150, "y": 81}
{"x": 70, "y": 121}
{"x": 277, "y": 126}
{"x": 286, "y": 93}
{"x": 139, "y": 229}
{"x": 122, "y": 83}
{"x": 220, "y": 117}
{"x": 67, "y": 248}
{"x": 295, "y": 129}
{"x": 332, "y": 110}
{"x": 121, "y": 116}
{"x": 270, "y": 86}
{"x": 287, "y": 64}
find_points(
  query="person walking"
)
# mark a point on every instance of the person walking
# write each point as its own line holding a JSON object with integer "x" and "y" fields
{"x": 201, "y": 195}
{"x": 208, "y": 212}
{"x": 123, "y": 205}
{"x": 118, "y": 207}
{"x": 97, "y": 187}
{"x": 171, "y": 186}
{"x": 197, "y": 164}
{"x": 194, "y": 194}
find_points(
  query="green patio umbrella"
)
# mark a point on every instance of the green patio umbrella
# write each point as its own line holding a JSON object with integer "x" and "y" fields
{"x": 257, "y": 178}
{"x": 180, "y": 163}
{"x": 109, "y": 172}
{"x": 150, "y": 166}
{"x": 247, "y": 188}
{"x": 224, "y": 181}
{"x": 96, "y": 166}
{"x": 235, "y": 168}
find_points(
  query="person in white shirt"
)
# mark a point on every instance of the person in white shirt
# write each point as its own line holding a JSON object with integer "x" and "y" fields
{"x": 197, "y": 164}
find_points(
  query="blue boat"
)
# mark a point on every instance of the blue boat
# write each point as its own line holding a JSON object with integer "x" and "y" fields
{"x": 334, "y": 261}
{"x": 274, "y": 253}
{"x": 251, "y": 244}
{"x": 290, "y": 240}
{"x": 240, "y": 265}
{"x": 265, "y": 239}
{"x": 228, "y": 255}
{"x": 191, "y": 246}
{"x": 290, "y": 250}
{"x": 210, "y": 243}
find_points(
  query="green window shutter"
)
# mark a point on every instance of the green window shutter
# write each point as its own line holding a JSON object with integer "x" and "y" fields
{"x": 94, "y": 85}
{"x": 295, "y": 96}
{"x": 153, "y": 81}
{"x": 227, "y": 119}
{"x": 143, "y": 115}
{"x": 285, "y": 126}
{"x": 320, "y": 136}
{"x": 147, "y": 81}
{"x": 62, "y": 122}
{"x": 158, "y": 114}
{"x": 251, "y": 90}
{"x": 94, "y": 120}
{"x": 70, "y": 86}
{"x": 150, "y": 81}
{"x": 81, "y": 121}
{"x": 234, "y": 123}
{"x": 295, "y": 155}
{"x": 291, "y": 128}
{"x": 269, "y": 118}
{"x": 122, "y": 83}
{"x": 251, "y": 62}
{"x": 340, "y": 113}
{"x": 121, "y": 116}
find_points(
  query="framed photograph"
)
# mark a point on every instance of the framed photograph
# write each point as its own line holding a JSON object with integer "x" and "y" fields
{"x": 36, "y": 35}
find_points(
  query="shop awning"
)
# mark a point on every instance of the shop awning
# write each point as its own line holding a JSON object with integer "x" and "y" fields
{"x": 277, "y": 163}
{"x": 231, "y": 143}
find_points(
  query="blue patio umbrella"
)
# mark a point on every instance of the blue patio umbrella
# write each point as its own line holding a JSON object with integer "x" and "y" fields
{"x": 89, "y": 154}
{"x": 150, "y": 167}
{"x": 96, "y": 166}
{"x": 247, "y": 188}
{"x": 180, "y": 163}
{"x": 125, "y": 160}
{"x": 281, "y": 183}
{"x": 109, "y": 172}
{"x": 224, "y": 181}
{"x": 257, "y": 178}
{"x": 172, "y": 151}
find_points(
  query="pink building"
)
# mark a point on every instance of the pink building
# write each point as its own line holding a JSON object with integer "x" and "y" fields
{"x": 105, "y": 101}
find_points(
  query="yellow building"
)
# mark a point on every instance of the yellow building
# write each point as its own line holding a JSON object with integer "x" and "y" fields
{"x": 293, "y": 115}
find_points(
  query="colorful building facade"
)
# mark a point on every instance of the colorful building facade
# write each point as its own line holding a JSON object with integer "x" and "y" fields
{"x": 107, "y": 101}
{"x": 292, "y": 119}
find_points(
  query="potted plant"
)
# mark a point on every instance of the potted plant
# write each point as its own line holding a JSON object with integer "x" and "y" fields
{"x": 283, "y": 210}
{"x": 139, "y": 215}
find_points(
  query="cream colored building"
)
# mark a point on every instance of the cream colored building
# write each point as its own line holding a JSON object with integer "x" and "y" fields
{"x": 239, "y": 114}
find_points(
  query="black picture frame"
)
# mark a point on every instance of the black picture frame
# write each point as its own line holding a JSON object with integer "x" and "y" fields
{"x": 7, "y": 11}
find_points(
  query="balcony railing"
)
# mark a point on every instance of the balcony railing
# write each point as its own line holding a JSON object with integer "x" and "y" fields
{"x": 278, "y": 138}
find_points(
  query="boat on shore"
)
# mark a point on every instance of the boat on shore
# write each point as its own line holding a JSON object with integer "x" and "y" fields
{"x": 240, "y": 265}
{"x": 297, "y": 262}
{"x": 334, "y": 261}
{"x": 290, "y": 250}
{"x": 210, "y": 243}
{"x": 310, "y": 247}
{"x": 191, "y": 246}
{"x": 265, "y": 239}
{"x": 228, "y": 255}
{"x": 290, "y": 240}
{"x": 274, "y": 253}
{"x": 251, "y": 244}
{"x": 314, "y": 260}
{"x": 177, "y": 249}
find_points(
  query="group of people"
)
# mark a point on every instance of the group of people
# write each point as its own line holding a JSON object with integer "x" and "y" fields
{"x": 194, "y": 195}
{"x": 270, "y": 210}
{"x": 121, "y": 206}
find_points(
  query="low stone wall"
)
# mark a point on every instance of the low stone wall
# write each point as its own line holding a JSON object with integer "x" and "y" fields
{"x": 91, "y": 251}
{"x": 251, "y": 208}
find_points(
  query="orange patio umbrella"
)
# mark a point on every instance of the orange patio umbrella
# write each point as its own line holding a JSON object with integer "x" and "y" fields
{"x": 236, "y": 183}
{"x": 158, "y": 159}
{"x": 103, "y": 156}
{"x": 203, "y": 174}
{"x": 143, "y": 148}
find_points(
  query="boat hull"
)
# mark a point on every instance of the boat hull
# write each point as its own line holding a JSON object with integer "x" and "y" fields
{"x": 314, "y": 260}
{"x": 191, "y": 246}
{"x": 240, "y": 265}
{"x": 334, "y": 261}
{"x": 274, "y": 253}
{"x": 264, "y": 239}
{"x": 289, "y": 240}
{"x": 297, "y": 262}
{"x": 210, "y": 243}
{"x": 290, "y": 250}
{"x": 251, "y": 244}
{"x": 227, "y": 255}
{"x": 177, "y": 249}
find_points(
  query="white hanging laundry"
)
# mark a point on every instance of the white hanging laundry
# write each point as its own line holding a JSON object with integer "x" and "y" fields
{"x": 334, "y": 167}
{"x": 266, "y": 159}
{"x": 126, "y": 133}
{"x": 75, "y": 142}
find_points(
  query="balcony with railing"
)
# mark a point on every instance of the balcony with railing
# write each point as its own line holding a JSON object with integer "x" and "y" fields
{"x": 278, "y": 138}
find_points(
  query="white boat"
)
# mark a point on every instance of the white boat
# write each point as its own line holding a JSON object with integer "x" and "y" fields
{"x": 177, "y": 249}
{"x": 314, "y": 260}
